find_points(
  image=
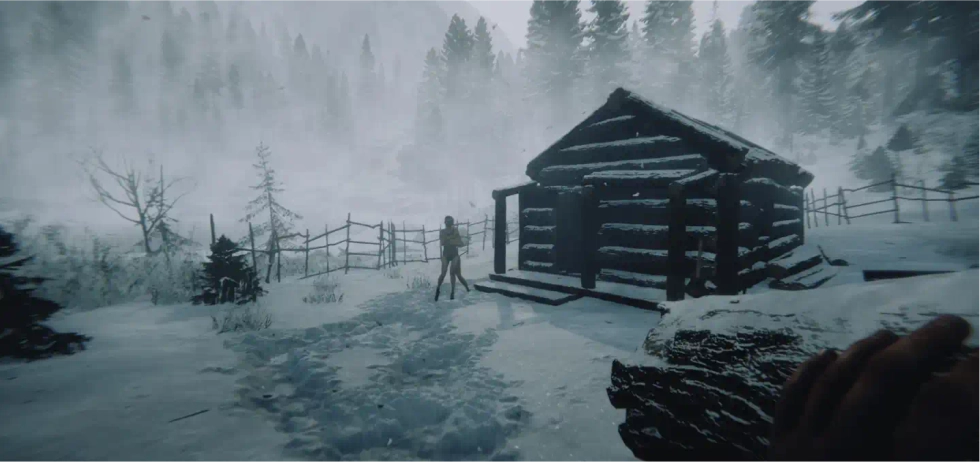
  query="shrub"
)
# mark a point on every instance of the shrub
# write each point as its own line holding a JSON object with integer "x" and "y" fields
{"x": 21, "y": 312}
{"x": 242, "y": 319}
{"x": 226, "y": 277}
{"x": 419, "y": 281}
{"x": 324, "y": 291}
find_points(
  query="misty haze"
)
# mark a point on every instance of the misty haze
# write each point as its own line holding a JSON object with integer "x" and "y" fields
{"x": 250, "y": 230}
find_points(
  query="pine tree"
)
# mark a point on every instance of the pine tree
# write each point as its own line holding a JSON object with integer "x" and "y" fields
{"x": 299, "y": 49}
{"x": 552, "y": 61}
{"x": 235, "y": 87}
{"x": 902, "y": 140}
{"x": 122, "y": 83}
{"x": 482, "y": 54}
{"x": 429, "y": 98}
{"x": 954, "y": 173}
{"x": 226, "y": 278}
{"x": 668, "y": 32}
{"x": 457, "y": 48}
{"x": 280, "y": 219}
{"x": 609, "y": 50}
{"x": 776, "y": 45}
{"x": 877, "y": 167}
{"x": 21, "y": 312}
{"x": 816, "y": 90}
{"x": 172, "y": 56}
{"x": 716, "y": 76}
{"x": 367, "y": 83}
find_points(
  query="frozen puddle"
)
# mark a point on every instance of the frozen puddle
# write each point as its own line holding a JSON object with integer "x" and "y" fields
{"x": 404, "y": 380}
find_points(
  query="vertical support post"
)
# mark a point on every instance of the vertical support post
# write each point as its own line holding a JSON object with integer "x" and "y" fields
{"x": 347, "y": 250}
{"x": 381, "y": 241}
{"x": 405, "y": 247}
{"x": 425, "y": 246}
{"x": 925, "y": 201}
{"x": 521, "y": 255}
{"x": 895, "y": 198}
{"x": 677, "y": 268}
{"x": 306, "y": 262}
{"x": 590, "y": 236}
{"x": 826, "y": 216}
{"x": 467, "y": 237}
{"x": 813, "y": 208}
{"x": 843, "y": 204}
{"x": 952, "y": 207}
{"x": 726, "y": 258}
{"x": 485, "y": 221}
{"x": 326, "y": 244}
{"x": 500, "y": 234}
{"x": 251, "y": 239}
{"x": 213, "y": 239}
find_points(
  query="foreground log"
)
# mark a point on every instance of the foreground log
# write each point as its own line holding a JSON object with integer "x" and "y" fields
{"x": 705, "y": 382}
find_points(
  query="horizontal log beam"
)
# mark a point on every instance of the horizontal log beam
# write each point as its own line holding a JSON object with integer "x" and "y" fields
{"x": 539, "y": 216}
{"x": 572, "y": 175}
{"x": 637, "y": 178}
{"x": 511, "y": 190}
{"x": 700, "y": 212}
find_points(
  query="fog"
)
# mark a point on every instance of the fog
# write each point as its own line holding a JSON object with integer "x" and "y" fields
{"x": 195, "y": 87}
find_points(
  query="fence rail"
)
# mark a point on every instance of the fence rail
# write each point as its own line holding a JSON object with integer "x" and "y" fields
{"x": 392, "y": 245}
{"x": 813, "y": 210}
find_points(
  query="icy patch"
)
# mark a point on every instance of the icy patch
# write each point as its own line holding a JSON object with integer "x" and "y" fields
{"x": 400, "y": 381}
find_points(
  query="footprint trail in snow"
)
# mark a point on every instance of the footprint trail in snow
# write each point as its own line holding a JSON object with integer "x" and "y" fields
{"x": 396, "y": 382}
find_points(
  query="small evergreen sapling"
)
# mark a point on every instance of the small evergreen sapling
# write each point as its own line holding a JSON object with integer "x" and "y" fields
{"x": 21, "y": 312}
{"x": 226, "y": 277}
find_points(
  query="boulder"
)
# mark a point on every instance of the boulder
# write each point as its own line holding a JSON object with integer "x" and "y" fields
{"x": 705, "y": 382}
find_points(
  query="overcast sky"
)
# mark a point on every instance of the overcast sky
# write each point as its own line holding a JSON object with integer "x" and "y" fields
{"x": 512, "y": 15}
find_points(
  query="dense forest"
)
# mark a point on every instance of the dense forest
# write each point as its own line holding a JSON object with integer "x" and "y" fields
{"x": 205, "y": 72}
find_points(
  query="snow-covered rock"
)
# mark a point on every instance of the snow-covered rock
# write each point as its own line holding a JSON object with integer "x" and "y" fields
{"x": 705, "y": 382}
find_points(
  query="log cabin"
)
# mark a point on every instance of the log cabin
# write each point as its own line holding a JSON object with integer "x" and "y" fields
{"x": 634, "y": 180}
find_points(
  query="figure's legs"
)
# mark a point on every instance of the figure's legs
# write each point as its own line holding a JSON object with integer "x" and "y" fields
{"x": 457, "y": 271}
{"x": 452, "y": 279}
{"x": 442, "y": 276}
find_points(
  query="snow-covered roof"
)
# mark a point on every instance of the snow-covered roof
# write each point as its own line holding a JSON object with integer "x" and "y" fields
{"x": 725, "y": 151}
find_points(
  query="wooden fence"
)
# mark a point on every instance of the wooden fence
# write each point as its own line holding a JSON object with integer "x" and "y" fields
{"x": 814, "y": 206}
{"x": 391, "y": 243}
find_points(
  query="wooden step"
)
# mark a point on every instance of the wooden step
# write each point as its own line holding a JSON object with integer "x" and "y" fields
{"x": 810, "y": 279}
{"x": 795, "y": 262}
{"x": 575, "y": 174}
{"x": 636, "y": 279}
{"x": 547, "y": 297}
{"x": 782, "y": 246}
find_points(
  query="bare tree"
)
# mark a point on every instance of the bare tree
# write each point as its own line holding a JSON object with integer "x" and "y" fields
{"x": 140, "y": 202}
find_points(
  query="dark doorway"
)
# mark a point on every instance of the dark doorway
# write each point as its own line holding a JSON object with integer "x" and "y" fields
{"x": 568, "y": 233}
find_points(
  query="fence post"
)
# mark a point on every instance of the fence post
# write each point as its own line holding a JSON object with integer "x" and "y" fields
{"x": 895, "y": 198}
{"x": 425, "y": 247}
{"x": 952, "y": 207}
{"x": 326, "y": 244}
{"x": 813, "y": 208}
{"x": 485, "y": 220}
{"x": 925, "y": 201}
{"x": 251, "y": 239}
{"x": 467, "y": 237}
{"x": 676, "y": 237}
{"x": 347, "y": 250}
{"x": 826, "y": 216}
{"x": 213, "y": 239}
{"x": 278, "y": 261}
{"x": 381, "y": 241}
{"x": 806, "y": 208}
{"x": 405, "y": 247}
{"x": 726, "y": 257}
{"x": 440, "y": 241}
{"x": 306, "y": 263}
{"x": 843, "y": 204}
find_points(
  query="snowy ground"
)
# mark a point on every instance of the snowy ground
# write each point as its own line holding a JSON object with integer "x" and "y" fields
{"x": 384, "y": 374}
